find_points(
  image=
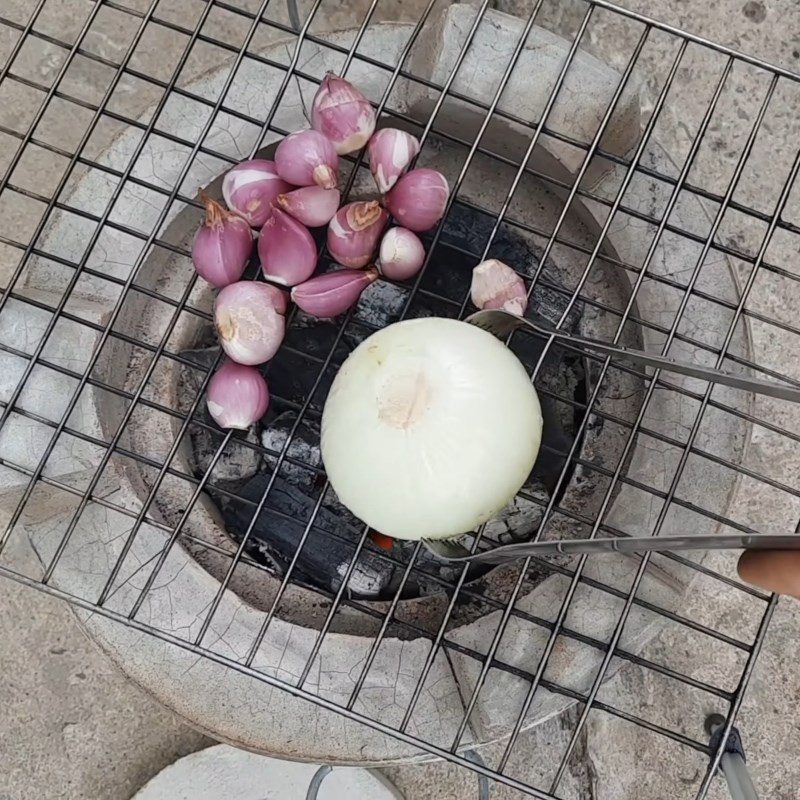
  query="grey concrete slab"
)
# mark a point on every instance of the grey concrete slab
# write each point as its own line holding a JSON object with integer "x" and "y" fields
{"x": 74, "y": 727}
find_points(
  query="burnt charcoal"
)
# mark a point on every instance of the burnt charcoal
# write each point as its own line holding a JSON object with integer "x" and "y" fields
{"x": 426, "y": 305}
{"x": 239, "y": 460}
{"x": 461, "y": 242}
{"x": 291, "y": 377}
{"x": 449, "y": 272}
{"x": 555, "y": 446}
{"x": 547, "y": 306}
{"x": 306, "y": 474}
{"x": 520, "y": 518}
{"x": 381, "y": 304}
{"x": 304, "y": 449}
{"x": 329, "y": 548}
{"x": 528, "y": 348}
{"x": 316, "y": 337}
{"x": 356, "y": 332}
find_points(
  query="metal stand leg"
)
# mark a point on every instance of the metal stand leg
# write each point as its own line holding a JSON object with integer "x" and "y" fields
{"x": 732, "y": 764}
{"x": 483, "y": 781}
{"x": 324, "y": 771}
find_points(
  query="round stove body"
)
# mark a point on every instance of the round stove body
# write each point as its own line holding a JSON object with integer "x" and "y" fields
{"x": 228, "y": 702}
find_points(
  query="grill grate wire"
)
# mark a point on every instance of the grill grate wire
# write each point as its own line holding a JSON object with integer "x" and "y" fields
{"x": 754, "y": 264}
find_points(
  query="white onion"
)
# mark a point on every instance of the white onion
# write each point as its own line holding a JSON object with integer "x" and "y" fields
{"x": 431, "y": 426}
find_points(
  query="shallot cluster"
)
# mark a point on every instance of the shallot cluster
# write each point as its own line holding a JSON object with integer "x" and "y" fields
{"x": 272, "y": 204}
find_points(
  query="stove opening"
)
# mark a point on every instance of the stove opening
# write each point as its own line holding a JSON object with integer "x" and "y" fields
{"x": 247, "y": 465}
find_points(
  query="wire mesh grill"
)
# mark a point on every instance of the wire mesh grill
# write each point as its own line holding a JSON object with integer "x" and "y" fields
{"x": 749, "y": 228}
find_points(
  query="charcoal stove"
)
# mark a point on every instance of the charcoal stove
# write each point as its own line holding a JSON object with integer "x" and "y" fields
{"x": 140, "y": 513}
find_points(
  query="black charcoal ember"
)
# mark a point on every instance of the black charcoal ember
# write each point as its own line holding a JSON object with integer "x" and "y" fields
{"x": 528, "y": 348}
{"x": 303, "y": 448}
{"x": 554, "y": 447}
{"x": 450, "y": 263}
{"x": 333, "y": 504}
{"x": 277, "y": 532}
{"x": 520, "y": 518}
{"x": 316, "y": 337}
{"x": 428, "y": 305}
{"x": 292, "y": 376}
{"x": 561, "y": 374}
{"x": 469, "y": 229}
{"x": 381, "y": 304}
{"x": 371, "y": 577}
{"x": 239, "y": 460}
{"x": 547, "y": 306}
{"x": 356, "y": 332}
{"x": 363, "y": 581}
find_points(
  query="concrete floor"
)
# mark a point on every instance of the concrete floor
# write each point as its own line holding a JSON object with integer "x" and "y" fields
{"x": 74, "y": 728}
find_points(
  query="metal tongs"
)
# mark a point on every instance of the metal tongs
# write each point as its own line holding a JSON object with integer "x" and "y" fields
{"x": 502, "y": 323}
{"x": 448, "y": 550}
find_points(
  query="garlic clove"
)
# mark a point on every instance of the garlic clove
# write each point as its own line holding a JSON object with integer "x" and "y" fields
{"x": 311, "y": 205}
{"x": 333, "y": 293}
{"x": 401, "y": 254}
{"x": 250, "y": 187}
{"x": 237, "y": 396}
{"x": 419, "y": 199}
{"x": 307, "y": 158}
{"x": 250, "y": 323}
{"x": 222, "y": 245}
{"x": 287, "y": 250}
{"x": 342, "y": 114}
{"x": 390, "y": 152}
{"x": 354, "y": 231}
{"x": 496, "y": 285}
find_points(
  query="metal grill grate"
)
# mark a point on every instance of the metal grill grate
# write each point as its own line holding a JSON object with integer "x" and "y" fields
{"x": 641, "y": 50}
